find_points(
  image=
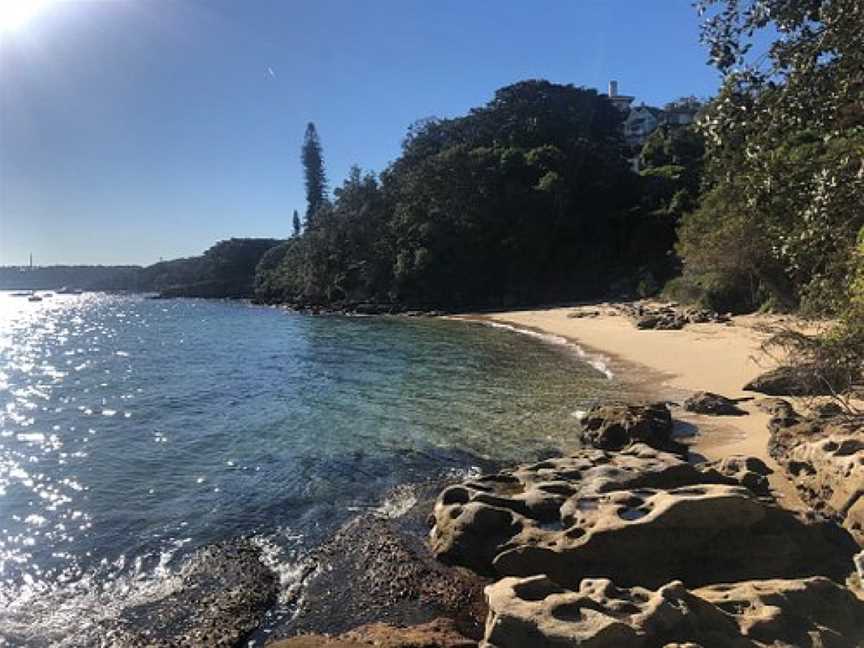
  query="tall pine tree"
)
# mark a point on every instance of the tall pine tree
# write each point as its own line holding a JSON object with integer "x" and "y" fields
{"x": 313, "y": 168}
{"x": 296, "y": 223}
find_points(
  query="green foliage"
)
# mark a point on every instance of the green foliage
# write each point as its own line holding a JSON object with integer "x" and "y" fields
{"x": 226, "y": 269}
{"x": 525, "y": 199}
{"x": 784, "y": 139}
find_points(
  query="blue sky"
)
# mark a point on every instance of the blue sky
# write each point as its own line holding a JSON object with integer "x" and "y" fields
{"x": 139, "y": 129}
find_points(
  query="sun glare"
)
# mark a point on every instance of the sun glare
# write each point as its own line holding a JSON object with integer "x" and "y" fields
{"x": 14, "y": 14}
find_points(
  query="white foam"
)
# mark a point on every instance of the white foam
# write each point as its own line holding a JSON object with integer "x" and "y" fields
{"x": 397, "y": 503}
{"x": 599, "y": 362}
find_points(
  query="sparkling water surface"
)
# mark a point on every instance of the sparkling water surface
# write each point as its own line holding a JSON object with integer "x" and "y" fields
{"x": 133, "y": 431}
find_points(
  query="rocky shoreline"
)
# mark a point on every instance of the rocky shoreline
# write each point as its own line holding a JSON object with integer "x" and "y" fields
{"x": 628, "y": 541}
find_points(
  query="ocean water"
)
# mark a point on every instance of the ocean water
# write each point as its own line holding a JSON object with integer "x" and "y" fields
{"x": 133, "y": 431}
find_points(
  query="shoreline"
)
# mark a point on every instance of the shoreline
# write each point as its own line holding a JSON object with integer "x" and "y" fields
{"x": 671, "y": 365}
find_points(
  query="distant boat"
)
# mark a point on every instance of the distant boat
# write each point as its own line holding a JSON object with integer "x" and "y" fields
{"x": 26, "y": 293}
{"x": 34, "y": 298}
{"x": 44, "y": 295}
{"x": 65, "y": 290}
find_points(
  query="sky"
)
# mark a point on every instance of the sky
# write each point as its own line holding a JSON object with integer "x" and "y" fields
{"x": 134, "y": 130}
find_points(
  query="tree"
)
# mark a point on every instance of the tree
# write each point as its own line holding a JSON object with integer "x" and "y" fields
{"x": 784, "y": 141}
{"x": 313, "y": 169}
{"x": 527, "y": 198}
{"x": 296, "y": 223}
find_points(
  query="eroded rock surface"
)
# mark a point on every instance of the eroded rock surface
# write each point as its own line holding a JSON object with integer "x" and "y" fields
{"x": 615, "y": 426}
{"x": 219, "y": 596}
{"x": 640, "y": 516}
{"x": 538, "y": 612}
{"x": 751, "y": 472}
{"x": 824, "y": 457}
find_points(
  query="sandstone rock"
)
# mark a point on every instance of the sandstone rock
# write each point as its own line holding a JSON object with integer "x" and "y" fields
{"x": 825, "y": 461}
{"x": 809, "y": 612}
{"x": 537, "y": 612}
{"x": 714, "y": 404}
{"x": 220, "y": 595}
{"x": 615, "y": 426}
{"x": 440, "y": 633}
{"x": 750, "y": 472}
{"x": 639, "y": 516}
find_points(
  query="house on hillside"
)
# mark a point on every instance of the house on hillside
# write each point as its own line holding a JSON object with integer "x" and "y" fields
{"x": 640, "y": 121}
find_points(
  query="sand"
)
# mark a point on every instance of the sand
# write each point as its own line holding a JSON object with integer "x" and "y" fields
{"x": 670, "y": 365}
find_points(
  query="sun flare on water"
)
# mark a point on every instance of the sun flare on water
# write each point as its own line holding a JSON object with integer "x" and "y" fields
{"x": 15, "y": 14}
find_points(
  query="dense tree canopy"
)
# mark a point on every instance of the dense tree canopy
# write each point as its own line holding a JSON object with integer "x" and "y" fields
{"x": 527, "y": 198}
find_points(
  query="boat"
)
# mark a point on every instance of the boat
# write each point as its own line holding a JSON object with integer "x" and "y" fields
{"x": 34, "y": 298}
{"x": 26, "y": 293}
{"x": 65, "y": 290}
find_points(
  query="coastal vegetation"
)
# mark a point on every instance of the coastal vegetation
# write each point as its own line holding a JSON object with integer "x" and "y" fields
{"x": 528, "y": 198}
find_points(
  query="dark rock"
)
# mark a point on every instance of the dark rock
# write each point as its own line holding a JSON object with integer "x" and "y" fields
{"x": 371, "y": 571}
{"x": 660, "y": 322}
{"x": 829, "y": 409}
{"x": 669, "y": 317}
{"x": 712, "y": 404}
{"x": 223, "y": 593}
{"x": 615, "y": 426}
{"x": 792, "y": 381}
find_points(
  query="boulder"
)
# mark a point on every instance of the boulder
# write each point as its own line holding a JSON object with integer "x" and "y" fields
{"x": 713, "y": 404}
{"x": 615, "y": 426}
{"x": 668, "y": 317}
{"x": 538, "y": 612}
{"x": 793, "y": 381}
{"x": 824, "y": 458}
{"x": 660, "y": 322}
{"x": 220, "y": 595}
{"x": 639, "y": 516}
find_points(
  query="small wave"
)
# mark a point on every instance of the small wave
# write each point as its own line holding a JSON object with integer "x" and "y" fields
{"x": 599, "y": 362}
{"x": 290, "y": 567}
{"x": 398, "y": 502}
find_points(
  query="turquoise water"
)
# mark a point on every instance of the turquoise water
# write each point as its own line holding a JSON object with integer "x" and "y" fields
{"x": 133, "y": 431}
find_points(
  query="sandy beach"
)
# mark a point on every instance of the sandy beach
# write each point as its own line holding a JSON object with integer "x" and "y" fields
{"x": 670, "y": 365}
